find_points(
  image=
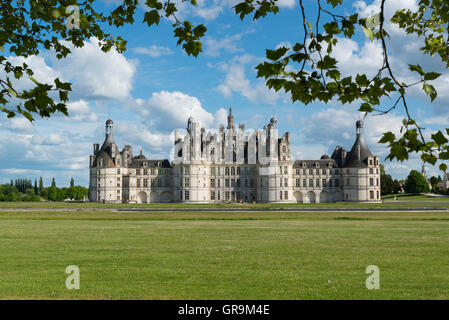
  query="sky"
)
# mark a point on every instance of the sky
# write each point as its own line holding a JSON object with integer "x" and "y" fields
{"x": 154, "y": 87}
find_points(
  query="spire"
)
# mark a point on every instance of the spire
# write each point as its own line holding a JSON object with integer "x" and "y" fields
{"x": 230, "y": 119}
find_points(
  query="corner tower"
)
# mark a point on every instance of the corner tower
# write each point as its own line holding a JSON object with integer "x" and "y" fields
{"x": 361, "y": 172}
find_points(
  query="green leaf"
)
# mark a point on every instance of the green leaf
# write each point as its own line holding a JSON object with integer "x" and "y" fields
{"x": 416, "y": 68}
{"x": 369, "y": 33}
{"x": 430, "y": 91}
{"x": 151, "y": 17}
{"x": 439, "y": 138}
{"x": 431, "y": 76}
{"x": 276, "y": 54}
{"x": 443, "y": 167}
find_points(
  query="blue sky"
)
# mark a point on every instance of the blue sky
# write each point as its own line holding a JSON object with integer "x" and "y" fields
{"x": 154, "y": 87}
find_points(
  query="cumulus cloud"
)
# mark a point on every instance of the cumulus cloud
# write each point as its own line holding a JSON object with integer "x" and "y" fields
{"x": 154, "y": 51}
{"x": 236, "y": 80}
{"x": 167, "y": 110}
{"x": 80, "y": 111}
{"x": 21, "y": 125}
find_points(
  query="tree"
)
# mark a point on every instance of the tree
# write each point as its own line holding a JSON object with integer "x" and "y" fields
{"x": 53, "y": 182}
{"x": 36, "y": 190}
{"x": 318, "y": 77}
{"x": 27, "y": 28}
{"x": 41, "y": 184}
{"x": 307, "y": 72}
{"x": 72, "y": 182}
{"x": 386, "y": 182}
{"x": 416, "y": 183}
{"x": 53, "y": 193}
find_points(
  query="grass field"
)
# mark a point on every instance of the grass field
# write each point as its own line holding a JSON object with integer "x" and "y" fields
{"x": 224, "y": 255}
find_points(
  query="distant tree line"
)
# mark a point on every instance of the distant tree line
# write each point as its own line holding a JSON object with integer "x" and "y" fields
{"x": 24, "y": 190}
{"x": 415, "y": 183}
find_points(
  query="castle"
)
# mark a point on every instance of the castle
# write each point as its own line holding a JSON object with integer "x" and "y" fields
{"x": 233, "y": 166}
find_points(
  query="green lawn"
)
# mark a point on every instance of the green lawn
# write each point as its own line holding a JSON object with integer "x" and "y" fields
{"x": 225, "y": 255}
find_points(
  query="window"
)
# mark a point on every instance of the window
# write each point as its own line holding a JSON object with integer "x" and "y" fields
{"x": 324, "y": 182}
{"x": 377, "y": 194}
{"x": 317, "y": 182}
{"x": 227, "y": 183}
{"x": 232, "y": 182}
{"x": 337, "y": 183}
{"x": 280, "y": 194}
{"x": 186, "y": 170}
{"x": 237, "y": 183}
{"x": 186, "y": 182}
{"x": 138, "y": 172}
{"x": 285, "y": 170}
{"x": 212, "y": 195}
{"x": 212, "y": 171}
{"x": 227, "y": 195}
{"x": 218, "y": 195}
{"x": 347, "y": 181}
{"x": 233, "y": 171}
{"x": 153, "y": 171}
{"x": 138, "y": 183}
{"x": 238, "y": 170}
{"x": 285, "y": 182}
{"x": 280, "y": 169}
{"x": 218, "y": 184}
{"x": 371, "y": 182}
{"x": 280, "y": 182}
{"x": 371, "y": 170}
{"x": 371, "y": 161}
{"x": 212, "y": 183}
{"x": 371, "y": 194}
{"x": 297, "y": 172}
{"x": 330, "y": 183}
{"x": 227, "y": 171}
{"x": 251, "y": 184}
{"x": 145, "y": 172}
{"x": 298, "y": 182}
{"x": 310, "y": 182}
{"x": 159, "y": 182}
{"x": 284, "y": 149}
{"x": 310, "y": 171}
{"x": 218, "y": 172}
{"x": 285, "y": 195}
{"x": 186, "y": 195}
{"x": 118, "y": 171}
{"x": 304, "y": 182}
{"x": 377, "y": 181}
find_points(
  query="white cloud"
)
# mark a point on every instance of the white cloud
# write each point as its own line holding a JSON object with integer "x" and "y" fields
{"x": 97, "y": 74}
{"x": 52, "y": 139}
{"x": 21, "y": 125}
{"x": 167, "y": 110}
{"x": 236, "y": 80}
{"x": 154, "y": 51}
{"x": 228, "y": 44}
{"x": 80, "y": 111}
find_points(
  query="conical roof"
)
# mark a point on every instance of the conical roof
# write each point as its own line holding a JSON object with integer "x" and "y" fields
{"x": 360, "y": 152}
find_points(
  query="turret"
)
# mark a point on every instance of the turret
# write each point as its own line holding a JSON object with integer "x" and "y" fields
{"x": 360, "y": 152}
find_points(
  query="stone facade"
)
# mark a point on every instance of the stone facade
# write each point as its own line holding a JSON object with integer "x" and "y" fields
{"x": 233, "y": 166}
